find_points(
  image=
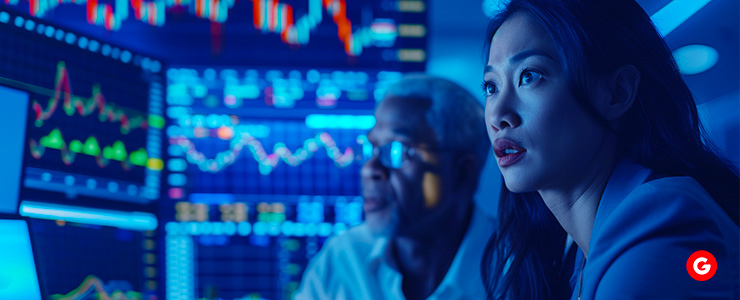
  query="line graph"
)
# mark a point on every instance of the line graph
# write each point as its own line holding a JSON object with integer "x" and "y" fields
{"x": 85, "y": 106}
{"x": 93, "y": 287}
{"x": 269, "y": 16}
{"x": 266, "y": 162}
{"x": 90, "y": 147}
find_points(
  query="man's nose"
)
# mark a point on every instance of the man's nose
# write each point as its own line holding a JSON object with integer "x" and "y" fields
{"x": 374, "y": 170}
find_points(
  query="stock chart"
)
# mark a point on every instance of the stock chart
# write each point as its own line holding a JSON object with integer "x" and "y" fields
{"x": 95, "y": 117}
{"x": 79, "y": 262}
{"x": 91, "y": 157}
{"x": 263, "y": 168}
{"x": 268, "y": 33}
{"x": 242, "y": 144}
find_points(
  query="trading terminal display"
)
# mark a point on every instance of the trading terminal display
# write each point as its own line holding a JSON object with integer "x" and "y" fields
{"x": 92, "y": 155}
{"x": 263, "y": 167}
{"x": 77, "y": 261}
{"x": 247, "y": 149}
{"x": 364, "y": 34}
{"x": 95, "y": 120}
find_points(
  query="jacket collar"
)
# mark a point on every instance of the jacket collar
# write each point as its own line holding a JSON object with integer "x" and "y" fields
{"x": 626, "y": 176}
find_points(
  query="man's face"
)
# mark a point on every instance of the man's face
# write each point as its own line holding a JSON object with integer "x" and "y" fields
{"x": 411, "y": 199}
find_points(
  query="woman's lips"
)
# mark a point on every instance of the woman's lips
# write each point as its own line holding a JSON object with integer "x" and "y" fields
{"x": 508, "y": 152}
{"x": 510, "y": 159}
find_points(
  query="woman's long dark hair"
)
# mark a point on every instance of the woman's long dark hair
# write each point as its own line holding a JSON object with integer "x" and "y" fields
{"x": 661, "y": 131}
{"x": 527, "y": 250}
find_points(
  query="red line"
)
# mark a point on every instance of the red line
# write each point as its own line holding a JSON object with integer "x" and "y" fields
{"x": 108, "y": 18}
{"x": 337, "y": 8}
{"x": 288, "y": 22}
{"x": 273, "y": 15}
{"x": 198, "y": 9}
{"x": 33, "y": 7}
{"x": 91, "y": 11}
{"x": 148, "y": 10}
{"x": 345, "y": 26}
{"x": 347, "y": 44}
{"x": 343, "y": 9}
{"x": 63, "y": 88}
{"x": 136, "y": 4}
{"x": 256, "y": 12}
{"x": 92, "y": 282}
{"x": 152, "y": 13}
{"x": 289, "y": 12}
{"x": 62, "y": 85}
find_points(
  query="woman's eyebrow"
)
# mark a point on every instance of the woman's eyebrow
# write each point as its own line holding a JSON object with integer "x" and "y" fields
{"x": 522, "y": 56}
{"x": 527, "y": 53}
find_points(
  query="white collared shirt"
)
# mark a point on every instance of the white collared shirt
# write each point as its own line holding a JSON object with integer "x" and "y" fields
{"x": 354, "y": 266}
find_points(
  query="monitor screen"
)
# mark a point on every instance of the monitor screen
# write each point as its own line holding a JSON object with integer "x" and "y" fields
{"x": 88, "y": 121}
{"x": 263, "y": 167}
{"x": 18, "y": 276}
{"x": 94, "y": 118}
{"x": 14, "y": 101}
{"x": 267, "y": 33}
{"x": 79, "y": 261}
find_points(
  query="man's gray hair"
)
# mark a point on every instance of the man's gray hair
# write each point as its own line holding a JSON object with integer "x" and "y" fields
{"x": 454, "y": 114}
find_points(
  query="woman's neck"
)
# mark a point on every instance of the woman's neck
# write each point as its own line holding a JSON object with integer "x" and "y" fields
{"x": 574, "y": 200}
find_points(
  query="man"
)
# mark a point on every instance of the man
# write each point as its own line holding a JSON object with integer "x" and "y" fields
{"x": 423, "y": 237}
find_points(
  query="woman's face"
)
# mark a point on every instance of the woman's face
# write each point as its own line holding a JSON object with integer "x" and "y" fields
{"x": 542, "y": 138}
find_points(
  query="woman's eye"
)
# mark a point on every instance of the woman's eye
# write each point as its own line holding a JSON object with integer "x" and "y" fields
{"x": 529, "y": 77}
{"x": 488, "y": 88}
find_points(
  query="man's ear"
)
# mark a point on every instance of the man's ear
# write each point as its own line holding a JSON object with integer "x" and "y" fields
{"x": 618, "y": 93}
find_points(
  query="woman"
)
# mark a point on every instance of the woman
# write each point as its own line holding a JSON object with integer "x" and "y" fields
{"x": 595, "y": 131}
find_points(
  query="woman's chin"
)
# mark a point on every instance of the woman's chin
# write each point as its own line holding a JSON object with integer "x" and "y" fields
{"x": 518, "y": 186}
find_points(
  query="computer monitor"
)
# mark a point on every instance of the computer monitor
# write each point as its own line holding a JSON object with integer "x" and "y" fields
{"x": 266, "y": 33}
{"x": 14, "y": 101}
{"x": 264, "y": 166}
{"x": 82, "y": 261}
{"x": 18, "y": 275}
{"x": 94, "y": 119}
{"x": 86, "y": 122}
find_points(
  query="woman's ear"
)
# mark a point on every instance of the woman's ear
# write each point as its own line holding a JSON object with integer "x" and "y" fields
{"x": 621, "y": 92}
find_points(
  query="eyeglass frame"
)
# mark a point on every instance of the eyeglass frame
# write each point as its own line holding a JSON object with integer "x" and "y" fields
{"x": 400, "y": 159}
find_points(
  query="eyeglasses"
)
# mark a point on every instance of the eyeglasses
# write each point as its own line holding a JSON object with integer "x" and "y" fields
{"x": 395, "y": 155}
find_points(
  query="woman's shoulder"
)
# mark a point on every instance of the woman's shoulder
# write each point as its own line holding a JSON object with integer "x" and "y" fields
{"x": 674, "y": 203}
{"x": 638, "y": 204}
{"x": 660, "y": 223}
{"x": 675, "y": 198}
{"x": 672, "y": 186}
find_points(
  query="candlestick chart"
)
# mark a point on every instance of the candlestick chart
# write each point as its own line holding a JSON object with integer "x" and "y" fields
{"x": 294, "y": 23}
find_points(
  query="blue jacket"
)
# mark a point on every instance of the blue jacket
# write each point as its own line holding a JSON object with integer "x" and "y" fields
{"x": 644, "y": 233}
